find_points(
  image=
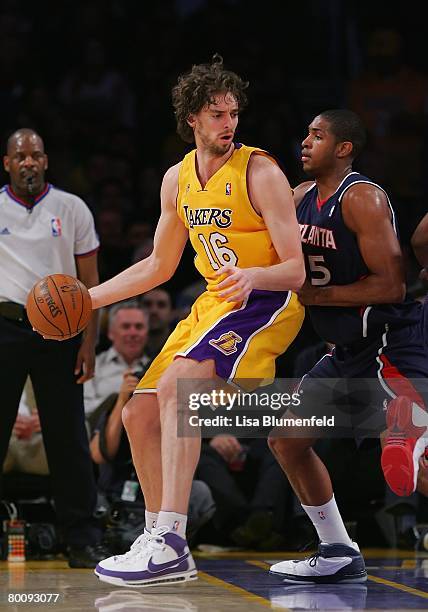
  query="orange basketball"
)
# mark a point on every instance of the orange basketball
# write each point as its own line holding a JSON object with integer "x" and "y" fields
{"x": 59, "y": 306}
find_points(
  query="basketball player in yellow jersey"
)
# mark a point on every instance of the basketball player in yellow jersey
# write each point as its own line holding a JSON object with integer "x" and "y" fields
{"x": 236, "y": 206}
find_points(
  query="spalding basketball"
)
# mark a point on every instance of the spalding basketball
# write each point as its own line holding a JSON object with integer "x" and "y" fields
{"x": 59, "y": 306}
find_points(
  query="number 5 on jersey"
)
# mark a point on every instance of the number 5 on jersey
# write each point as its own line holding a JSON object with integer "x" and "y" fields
{"x": 322, "y": 273}
{"x": 218, "y": 254}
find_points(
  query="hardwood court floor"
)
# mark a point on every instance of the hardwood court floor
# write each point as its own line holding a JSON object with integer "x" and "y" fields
{"x": 398, "y": 580}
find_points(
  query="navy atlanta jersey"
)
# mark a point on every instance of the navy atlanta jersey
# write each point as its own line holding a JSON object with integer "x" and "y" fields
{"x": 332, "y": 257}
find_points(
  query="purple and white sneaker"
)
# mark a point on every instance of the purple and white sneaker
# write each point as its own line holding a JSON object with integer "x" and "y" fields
{"x": 161, "y": 557}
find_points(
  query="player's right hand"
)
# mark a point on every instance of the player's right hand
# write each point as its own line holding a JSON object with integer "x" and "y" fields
{"x": 128, "y": 385}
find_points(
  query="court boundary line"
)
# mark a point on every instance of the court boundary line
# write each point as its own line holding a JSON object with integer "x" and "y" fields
{"x": 237, "y": 590}
{"x": 398, "y": 586}
{"x": 384, "y": 581}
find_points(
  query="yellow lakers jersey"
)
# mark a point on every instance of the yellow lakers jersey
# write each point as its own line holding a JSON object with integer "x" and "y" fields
{"x": 223, "y": 226}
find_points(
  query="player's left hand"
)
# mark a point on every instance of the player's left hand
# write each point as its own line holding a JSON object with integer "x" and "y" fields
{"x": 237, "y": 285}
{"x": 85, "y": 362}
{"x": 307, "y": 294}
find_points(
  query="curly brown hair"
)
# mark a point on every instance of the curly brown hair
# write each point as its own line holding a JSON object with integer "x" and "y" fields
{"x": 198, "y": 87}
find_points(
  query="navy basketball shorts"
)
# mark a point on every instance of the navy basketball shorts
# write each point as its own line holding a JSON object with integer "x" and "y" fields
{"x": 350, "y": 388}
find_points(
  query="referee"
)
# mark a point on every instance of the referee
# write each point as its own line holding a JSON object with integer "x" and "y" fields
{"x": 44, "y": 230}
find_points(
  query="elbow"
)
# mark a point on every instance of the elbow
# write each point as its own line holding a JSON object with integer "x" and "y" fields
{"x": 96, "y": 456}
{"x": 161, "y": 271}
{"x": 298, "y": 280}
{"x": 94, "y": 449}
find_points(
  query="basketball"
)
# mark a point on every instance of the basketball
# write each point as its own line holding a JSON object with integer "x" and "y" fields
{"x": 59, "y": 306}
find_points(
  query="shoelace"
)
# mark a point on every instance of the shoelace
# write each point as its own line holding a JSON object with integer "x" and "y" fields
{"x": 143, "y": 546}
{"x": 140, "y": 542}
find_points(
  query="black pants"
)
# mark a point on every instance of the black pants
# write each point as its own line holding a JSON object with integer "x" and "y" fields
{"x": 261, "y": 486}
{"x": 59, "y": 400}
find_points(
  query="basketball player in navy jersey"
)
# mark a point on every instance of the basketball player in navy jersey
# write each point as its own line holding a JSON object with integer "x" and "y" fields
{"x": 419, "y": 243}
{"x": 355, "y": 293}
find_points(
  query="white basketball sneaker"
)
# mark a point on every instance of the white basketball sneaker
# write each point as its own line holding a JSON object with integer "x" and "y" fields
{"x": 319, "y": 597}
{"x": 134, "y": 600}
{"x": 157, "y": 558}
{"x": 332, "y": 563}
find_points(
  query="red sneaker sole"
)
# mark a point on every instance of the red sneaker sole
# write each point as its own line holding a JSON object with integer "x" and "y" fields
{"x": 397, "y": 467}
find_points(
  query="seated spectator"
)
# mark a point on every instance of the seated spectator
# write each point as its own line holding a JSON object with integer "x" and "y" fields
{"x": 26, "y": 451}
{"x": 158, "y": 304}
{"x": 118, "y": 481}
{"x": 128, "y": 328}
{"x": 250, "y": 491}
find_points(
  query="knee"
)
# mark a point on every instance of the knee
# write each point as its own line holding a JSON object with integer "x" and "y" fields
{"x": 136, "y": 419}
{"x": 167, "y": 389}
{"x": 288, "y": 448}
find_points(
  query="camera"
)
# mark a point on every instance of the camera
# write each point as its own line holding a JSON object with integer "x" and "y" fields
{"x": 138, "y": 374}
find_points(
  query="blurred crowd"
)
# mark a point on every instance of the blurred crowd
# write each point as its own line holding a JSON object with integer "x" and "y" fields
{"x": 94, "y": 79}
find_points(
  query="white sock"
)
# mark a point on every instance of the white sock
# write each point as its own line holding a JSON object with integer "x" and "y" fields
{"x": 174, "y": 521}
{"x": 328, "y": 523}
{"x": 151, "y": 520}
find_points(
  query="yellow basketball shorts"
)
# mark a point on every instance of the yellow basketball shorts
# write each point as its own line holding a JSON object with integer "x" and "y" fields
{"x": 243, "y": 340}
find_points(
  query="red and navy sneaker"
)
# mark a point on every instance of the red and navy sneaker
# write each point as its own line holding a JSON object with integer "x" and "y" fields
{"x": 404, "y": 446}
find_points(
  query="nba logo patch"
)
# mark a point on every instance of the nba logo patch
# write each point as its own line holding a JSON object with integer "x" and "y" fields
{"x": 228, "y": 188}
{"x": 56, "y": 226}
{"x": 227, "y": 342}
{"x": 322, "y": 515}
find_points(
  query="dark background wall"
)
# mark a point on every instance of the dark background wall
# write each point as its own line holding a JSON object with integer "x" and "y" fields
{"x": 94, "y": 78}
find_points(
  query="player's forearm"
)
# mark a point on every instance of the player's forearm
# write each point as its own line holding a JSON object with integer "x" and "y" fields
{"x": 285, "y": 276}
{"x": 91, "y": 331}
{"x": 370, "y": 290}
{"x": 137, "y": 279}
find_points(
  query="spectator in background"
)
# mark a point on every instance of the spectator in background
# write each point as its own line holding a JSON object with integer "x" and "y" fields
{"x": 186, "y": 298}
{"x": 96, "y": 91}
{"x": 391, "y": 97}
{"x": 118, "y": 481}
{"x": 115, "y": 255}
{"x": 128, "y": 327}
{"x": 139, "y": 236}
{"x": 26, "y": 451}
{"x": 158, "y": 304}
{"x": 388, "y": 85}
{"x": 143, "y": 250}
{"x": 250, "y": 491}
{"x": 46, "y": 231}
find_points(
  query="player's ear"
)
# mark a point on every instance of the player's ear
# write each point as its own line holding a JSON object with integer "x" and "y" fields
{"x": 191, "y": 120}
{"x": 46, "y": 162}
{"x": 344, "y": 149}
{"x": 6, "y": 162}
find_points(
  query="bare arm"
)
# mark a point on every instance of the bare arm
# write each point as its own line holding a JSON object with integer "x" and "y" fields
{"x": 169, "y": 241}
{"x": 300, "y": 190}
{"x": 366, "y": 213}
{"x": 272, "y": 198}
{"x": 87, "y": 272}
{"x": 113, "y": 427}
{"x": 419, "y": 242}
